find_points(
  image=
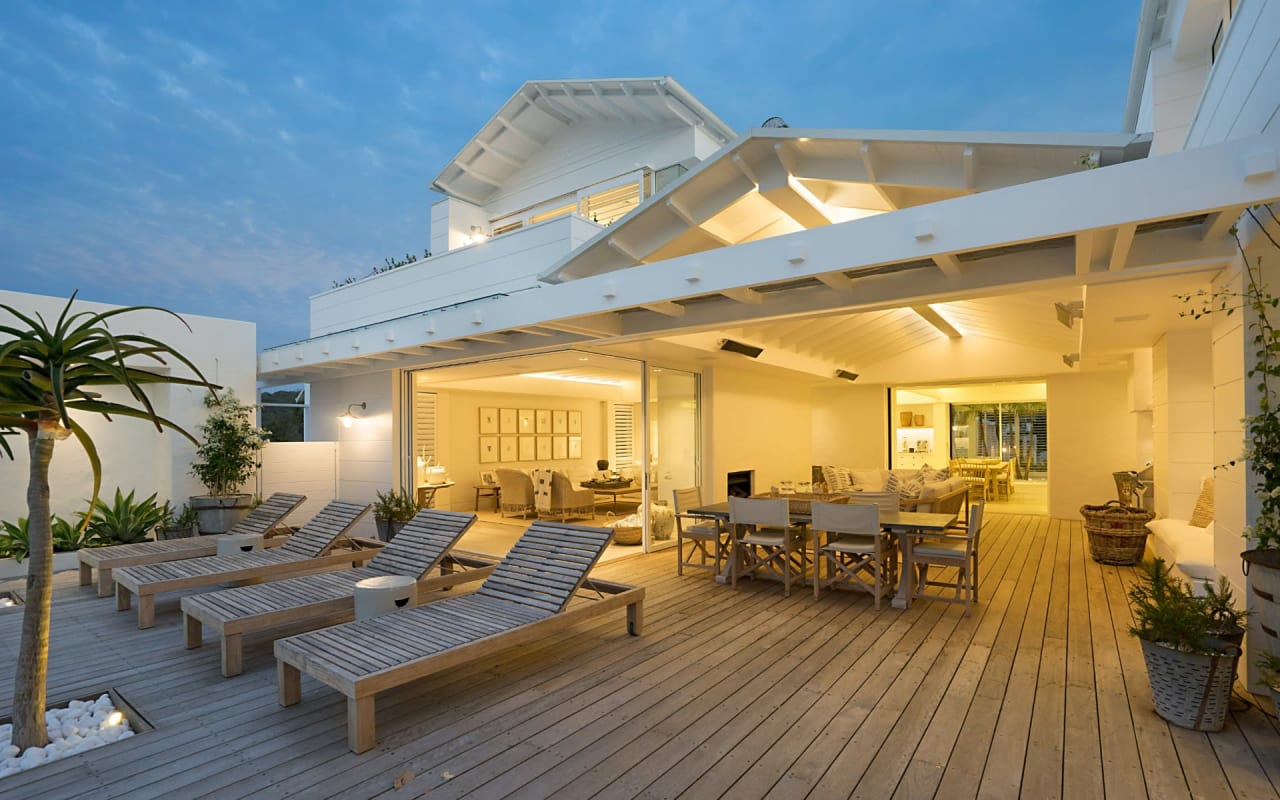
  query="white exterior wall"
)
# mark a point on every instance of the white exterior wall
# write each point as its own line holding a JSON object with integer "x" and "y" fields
{"x": 133, "y": 454}
{"x": 1091, "y": 435}
{"x": 1242, "y": 96}
{"x": 505, "y": 264}
{"x": 451, "y": 222}
{"x": 1182, "y": 420}
{"x": 1176, "y": 86}
{"x": 367, "y": 450}
{"x": 306, "y": 468}
{"x": 589, "y": 153}
{"x": 849, "y": 426}
{"x": 754, "y": 424}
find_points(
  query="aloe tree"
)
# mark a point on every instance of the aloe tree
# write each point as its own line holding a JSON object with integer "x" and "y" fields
{"x": 46, "y": 374}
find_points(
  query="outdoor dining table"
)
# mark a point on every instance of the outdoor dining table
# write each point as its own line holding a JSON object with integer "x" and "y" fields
{"x": 906, "y": 525}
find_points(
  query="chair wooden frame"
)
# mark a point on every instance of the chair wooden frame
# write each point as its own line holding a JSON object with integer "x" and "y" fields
{"x": 959, "y": 551}
{"x": 423, "y": 545}
{"x": 263, "y": 519}
{"x": 855, "y": 546}
{"x": 311, "y": 549}
{"x": 765, "y": 541}
{"x": 525, "y": 599}
{"x": 699, "y": 534}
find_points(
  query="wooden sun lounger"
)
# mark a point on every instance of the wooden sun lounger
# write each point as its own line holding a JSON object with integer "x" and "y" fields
{"x": 523, "y": 600}
{"x": 308, "y": 550}
{"x": 262, "y": 519}
{"x": 423, "y": 545}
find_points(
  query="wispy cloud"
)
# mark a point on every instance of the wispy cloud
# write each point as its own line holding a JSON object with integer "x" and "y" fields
{"x": 94, "y": 38}
{"x": 304, "y": 88}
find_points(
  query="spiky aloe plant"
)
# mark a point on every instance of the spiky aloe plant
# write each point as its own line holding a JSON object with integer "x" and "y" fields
{"x": 47, "y": 373}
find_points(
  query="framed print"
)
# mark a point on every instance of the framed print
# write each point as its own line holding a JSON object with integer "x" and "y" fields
{"x": 507, "y": 449}
{"x": 507, "y": 420}
{"x": 524, "y": 420}
{"x": 489, "y": 421}
{"x": 544, "y": 448}
{"x": 559, "y": 422}
{"x": 575, "y": 446}
{"x": 543, "y": 421}
{"x": 560, "y": 447}
{"x": 488, "y": 477}
{"x": 526, "y": 448}
{"x": 575, "y": 422}
{"x": 488, "y": 449}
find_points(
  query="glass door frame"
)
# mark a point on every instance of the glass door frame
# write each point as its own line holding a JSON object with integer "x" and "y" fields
{"x": 648, "y": 445}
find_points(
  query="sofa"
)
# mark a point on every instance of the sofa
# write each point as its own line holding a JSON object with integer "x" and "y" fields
{"x": 917, "y": 487}
{"x": 1186, "y": 545}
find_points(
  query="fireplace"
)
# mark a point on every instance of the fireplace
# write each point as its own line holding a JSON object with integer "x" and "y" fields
{"x": 739, "y": 484}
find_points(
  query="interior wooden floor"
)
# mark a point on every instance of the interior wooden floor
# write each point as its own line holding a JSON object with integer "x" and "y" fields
{"x": 730, "y": 693}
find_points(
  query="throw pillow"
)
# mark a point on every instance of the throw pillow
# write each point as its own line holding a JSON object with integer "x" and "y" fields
{"x": 893, "y": 483}
{"x": 844, "y": 476}
{"x": 829, "y": 477}
{"x": 912, "y": 487}
{"x": 870, "y": 480}
{"x": 943, "y": 474}
{"x": 927, "y": 474}
{"x": 1202, "y": 516}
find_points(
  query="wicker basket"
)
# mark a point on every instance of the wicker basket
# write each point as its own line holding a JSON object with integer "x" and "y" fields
{"x": 1117, "y": 533}
{"x": 624, "y": 530}
{"x": 1188, "y": 689}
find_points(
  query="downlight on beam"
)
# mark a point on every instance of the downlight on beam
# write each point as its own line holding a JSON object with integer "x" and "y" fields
{"x": 748, "y": 350}
{"x": 1071, "y": 359}
{"x": 846, "y": 374}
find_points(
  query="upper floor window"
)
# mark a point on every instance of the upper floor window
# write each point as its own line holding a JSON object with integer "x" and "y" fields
{"x": 602, "y": 202}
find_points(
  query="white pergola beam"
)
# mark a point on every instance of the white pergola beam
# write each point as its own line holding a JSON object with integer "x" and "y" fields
{"x": 1219, "y": 222}
{"x": 666, "y": 308}
{"x": 969, "y": 160}
{"x": 478, "y": 175}
{"x": 935, "y": 319}
{"x": 692, "y": 222}
{"x": 871, "y": 165}
{"x": 519, "y": 134}
{"x": 948, "y": 263}
{"x": 1084, "y": 252}
{"x": 1120, "y": 249}
{"x": 496, "y": 152}
{"x": 743, "y": 295}
{"x": 553, "y": 108}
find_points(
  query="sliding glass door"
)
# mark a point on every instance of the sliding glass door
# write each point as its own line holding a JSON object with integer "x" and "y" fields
{"x": 671, "y": 439}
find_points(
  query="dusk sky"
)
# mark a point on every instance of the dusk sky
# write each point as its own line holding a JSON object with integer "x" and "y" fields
{"x": 232, "y": 159}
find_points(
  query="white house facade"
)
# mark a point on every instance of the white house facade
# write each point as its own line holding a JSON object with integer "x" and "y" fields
{"x": 600, "y": 240}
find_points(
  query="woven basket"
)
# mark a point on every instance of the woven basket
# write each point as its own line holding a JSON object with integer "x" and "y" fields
{"x": 624, "y": 533}
{"x": 1190, "y": 690}
{"x": 1117, "y": 533}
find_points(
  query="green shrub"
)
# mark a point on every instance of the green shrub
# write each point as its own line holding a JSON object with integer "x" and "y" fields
{"x": 125, "y": 520}
{"x": 397, "y": 506}
{"x": 14, "y": 539}
{"x": 1168, "y": 611}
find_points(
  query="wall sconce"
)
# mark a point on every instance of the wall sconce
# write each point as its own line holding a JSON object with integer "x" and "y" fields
{"x": 1068, "y": 313}
{"x": 476, "y": 236}
{"x": 348, "y": 417}
{"x": 1070, "y": 359}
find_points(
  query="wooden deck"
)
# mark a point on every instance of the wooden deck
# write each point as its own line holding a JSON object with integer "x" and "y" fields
{"x": 738, "y": 694}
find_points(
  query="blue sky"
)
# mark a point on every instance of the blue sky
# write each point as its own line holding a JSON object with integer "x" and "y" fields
{"x": 233, "y": 158}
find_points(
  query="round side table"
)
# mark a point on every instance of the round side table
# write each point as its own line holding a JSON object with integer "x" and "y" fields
{"x": 384, "y": 594}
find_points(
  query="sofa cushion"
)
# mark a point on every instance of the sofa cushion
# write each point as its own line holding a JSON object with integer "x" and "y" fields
{"x": 894, "y": 483}
{"x": 869, "y": 480}
{"x": 835, "y": 479}
{"x": 1186, "y": 546}
{"x": 912, "y": 487}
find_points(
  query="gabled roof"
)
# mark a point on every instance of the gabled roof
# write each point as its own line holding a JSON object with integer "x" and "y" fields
{"x": 773, "y": 181}
{"x": 541, "y": 109}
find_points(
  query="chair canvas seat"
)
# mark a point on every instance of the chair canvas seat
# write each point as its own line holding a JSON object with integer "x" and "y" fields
{"x": 852, "y": 543}
{"x": 857, "y": 554}
{"x": 941, "y": 549}
{"x": 769, "y": 537}
{"x": 769, "y": 543}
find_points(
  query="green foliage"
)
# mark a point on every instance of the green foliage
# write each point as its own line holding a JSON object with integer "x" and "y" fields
{"x": 15, "y": 539}
{"x": 124, "y": 521}
{"x": 1168, "y": 612}
{"x": 171, "y": 517}
{"x": 1221, "y": 606}
{"x": 397, "y": 506}
{"x": 69, "y": 536}
{"x": 1270, "y": 666}
{"x": 228, "y": 456}
{"x": 1262, "y": 449}
{"x": 284, "y": 421}
{"x": 387, "y": 265}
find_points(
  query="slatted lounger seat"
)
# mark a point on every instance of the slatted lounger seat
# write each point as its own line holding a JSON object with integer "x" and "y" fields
{"x": 308, "y": 550}
{"x": 261, "y": 520}
{"x": 423, "y": 545}
{"x": 525, "y": 599}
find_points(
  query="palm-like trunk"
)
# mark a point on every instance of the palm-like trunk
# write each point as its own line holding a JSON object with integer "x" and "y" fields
{"x": 33, "y": 652}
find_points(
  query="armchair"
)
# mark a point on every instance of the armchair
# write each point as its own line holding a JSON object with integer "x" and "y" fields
{"x": 516, "y": 489}
{"x": 554, "y": 497}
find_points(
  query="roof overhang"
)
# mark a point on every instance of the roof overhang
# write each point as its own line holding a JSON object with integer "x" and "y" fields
{"x": 1131, "y": 221}
{"x": 773, "y": 182}
{"x": 541, "y": 109}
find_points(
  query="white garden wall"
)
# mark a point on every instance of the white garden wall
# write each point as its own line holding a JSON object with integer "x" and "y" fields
{"x": 134, "y": 455}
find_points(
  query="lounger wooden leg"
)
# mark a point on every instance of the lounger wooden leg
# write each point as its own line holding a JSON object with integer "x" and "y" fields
{"x": 360, "y": 730}
{"x": 146, "y": 611}
{"x": 232, "y": 655}
{"x": 124, "y": 598}
{"x": 635, "y": 618}
{"x": 86, "y": 574}
{"x": 288, "y": 684}
{"x": 193, "y": 629}
{"x": 105, "y": 582}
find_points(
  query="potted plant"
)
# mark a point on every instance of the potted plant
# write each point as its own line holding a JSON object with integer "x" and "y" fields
{"x": 391, "y": 511}
{"x": 175, "y": 523}
{"x": 1190, "y": 671}
{"x": 1269, "y": 665}
{"x": 226, "y": 458}
{"x": 1227, "y": 623}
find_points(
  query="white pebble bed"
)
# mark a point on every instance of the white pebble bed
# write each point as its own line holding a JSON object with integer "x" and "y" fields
{"x": 83, "y": 725}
